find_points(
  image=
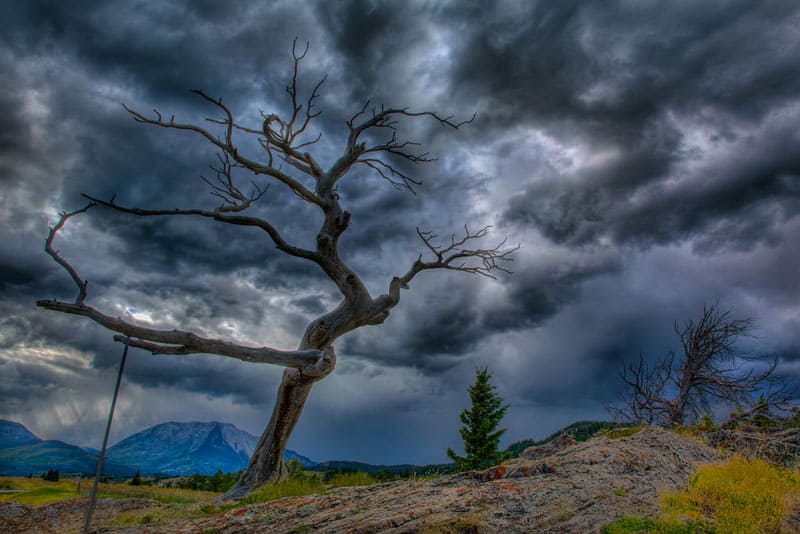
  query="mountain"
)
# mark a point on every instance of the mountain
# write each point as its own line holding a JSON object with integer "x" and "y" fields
{"x": 42, "y": 456}
{"x": 15, "y": 435}
{"x": 187, "y": 448}
{"x": 22, "y": 452}
{"x": 168, "y": 449}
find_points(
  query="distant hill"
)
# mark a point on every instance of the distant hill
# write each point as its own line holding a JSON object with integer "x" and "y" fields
{"x": 15, "y": 435}
{"x": 382, "y": 472}
{"x": 173, "y": 449}
{"x": 42, "y": 456}
{"x": 580, "y": 431}
{"x": 188, "y": 448}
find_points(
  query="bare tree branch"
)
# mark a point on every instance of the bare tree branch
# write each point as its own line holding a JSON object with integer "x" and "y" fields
{"x": 645, "y": 402}
{"x": 710, "y": 370}
{"x": 453, "y": 256}
{"x": 48, "y": 247}
{"x": 456, "y": 257}
{"x": 291, "y": 134}
{"x": 233, "y": 198}
{"x": 228, "y": 147}
{"x": 172, "y": 341}
{"x": 221, "y": 216}
{"x": 385, "y": 119}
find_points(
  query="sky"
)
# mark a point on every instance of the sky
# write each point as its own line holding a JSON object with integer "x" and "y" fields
{"x": 644, "y": 155}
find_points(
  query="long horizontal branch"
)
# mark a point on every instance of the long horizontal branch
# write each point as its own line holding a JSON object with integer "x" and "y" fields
{"x": 311, "y": 362}
{"x": 181, "y": 342}
{"x": 241, "y": 220}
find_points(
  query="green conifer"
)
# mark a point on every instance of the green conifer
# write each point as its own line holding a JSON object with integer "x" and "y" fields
{"x": 480, "y": 434}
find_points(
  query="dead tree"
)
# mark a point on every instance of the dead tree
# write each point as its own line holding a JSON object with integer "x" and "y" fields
{"x": 675, "y": 391}
{"x": 373, "y": 141}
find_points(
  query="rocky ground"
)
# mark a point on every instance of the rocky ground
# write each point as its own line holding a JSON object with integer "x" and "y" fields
{"x": 561, "y": 487}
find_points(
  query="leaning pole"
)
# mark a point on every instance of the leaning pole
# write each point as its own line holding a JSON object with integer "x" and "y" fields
{"x": 102, "y": 457}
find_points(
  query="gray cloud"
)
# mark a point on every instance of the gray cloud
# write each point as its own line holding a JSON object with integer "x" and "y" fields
{"x": 644, "y": 156}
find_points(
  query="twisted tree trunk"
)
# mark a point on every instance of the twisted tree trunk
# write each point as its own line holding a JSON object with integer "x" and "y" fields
{"x": 266, "y": 465}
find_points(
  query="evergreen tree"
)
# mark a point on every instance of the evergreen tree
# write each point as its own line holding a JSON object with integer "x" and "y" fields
{"x": 52, "y": 475}
{"x": 480, "y": 434}
{"x": 137, "y": 479}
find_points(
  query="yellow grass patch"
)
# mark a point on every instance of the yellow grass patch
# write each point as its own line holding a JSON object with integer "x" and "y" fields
{"x": 742, "y": 495}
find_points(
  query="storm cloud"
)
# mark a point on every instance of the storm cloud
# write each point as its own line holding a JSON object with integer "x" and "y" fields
{"x": 645, "y": 156}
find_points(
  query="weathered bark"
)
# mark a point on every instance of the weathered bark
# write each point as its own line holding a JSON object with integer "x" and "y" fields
{"x": 266, "y": 465}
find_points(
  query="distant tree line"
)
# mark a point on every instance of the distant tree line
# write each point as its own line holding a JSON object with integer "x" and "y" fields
{"x": 580, "y": 431}
{"x": 218, "y": 482}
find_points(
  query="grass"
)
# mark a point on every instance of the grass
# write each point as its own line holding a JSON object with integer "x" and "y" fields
{"x": 36, "y": 492}
{"x": 359, "y": 478}
{"x": 35, "y": 496}
{"x": 307, "y": 484}
{"x": 174, "y": 511}
{"x": 636, "y": 525}
{"x": 182, "y": 503}
{"x": 162, "y": 495}
{"x": 739, "y": 496}
{"x": 742, "y": 495}
{"x": 293, "y": 487}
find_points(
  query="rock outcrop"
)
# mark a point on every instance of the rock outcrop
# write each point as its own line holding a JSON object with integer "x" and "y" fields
{"x": 568, "y": 487}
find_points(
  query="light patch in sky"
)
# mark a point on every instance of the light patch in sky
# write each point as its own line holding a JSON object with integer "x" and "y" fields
{"x": 58, "y": 359}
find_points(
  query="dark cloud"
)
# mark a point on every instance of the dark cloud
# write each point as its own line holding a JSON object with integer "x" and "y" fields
{"x": 644, "y": 156}
{"x": 631, "y": 82}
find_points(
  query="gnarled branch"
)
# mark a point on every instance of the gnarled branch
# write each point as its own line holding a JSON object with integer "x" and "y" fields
{"x": 232, "y": 197}
{"x": 310, "y": 361}
{"x": 385, "y": 119}
{"x": 48, "y": 247}
{"x": 454, "y": 256}
{"x": 227, "y": 145}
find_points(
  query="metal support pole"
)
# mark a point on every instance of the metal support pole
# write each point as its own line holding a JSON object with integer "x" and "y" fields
{"x": 102, "y": 457}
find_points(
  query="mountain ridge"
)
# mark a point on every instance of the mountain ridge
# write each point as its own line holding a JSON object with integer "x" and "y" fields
{"x": 13, "y": 434}
{"x": 171, "y": 449}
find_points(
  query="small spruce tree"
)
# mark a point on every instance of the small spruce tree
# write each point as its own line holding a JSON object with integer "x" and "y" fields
{"x": 480, "y": 434}
{"x": 137, "y": 479}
